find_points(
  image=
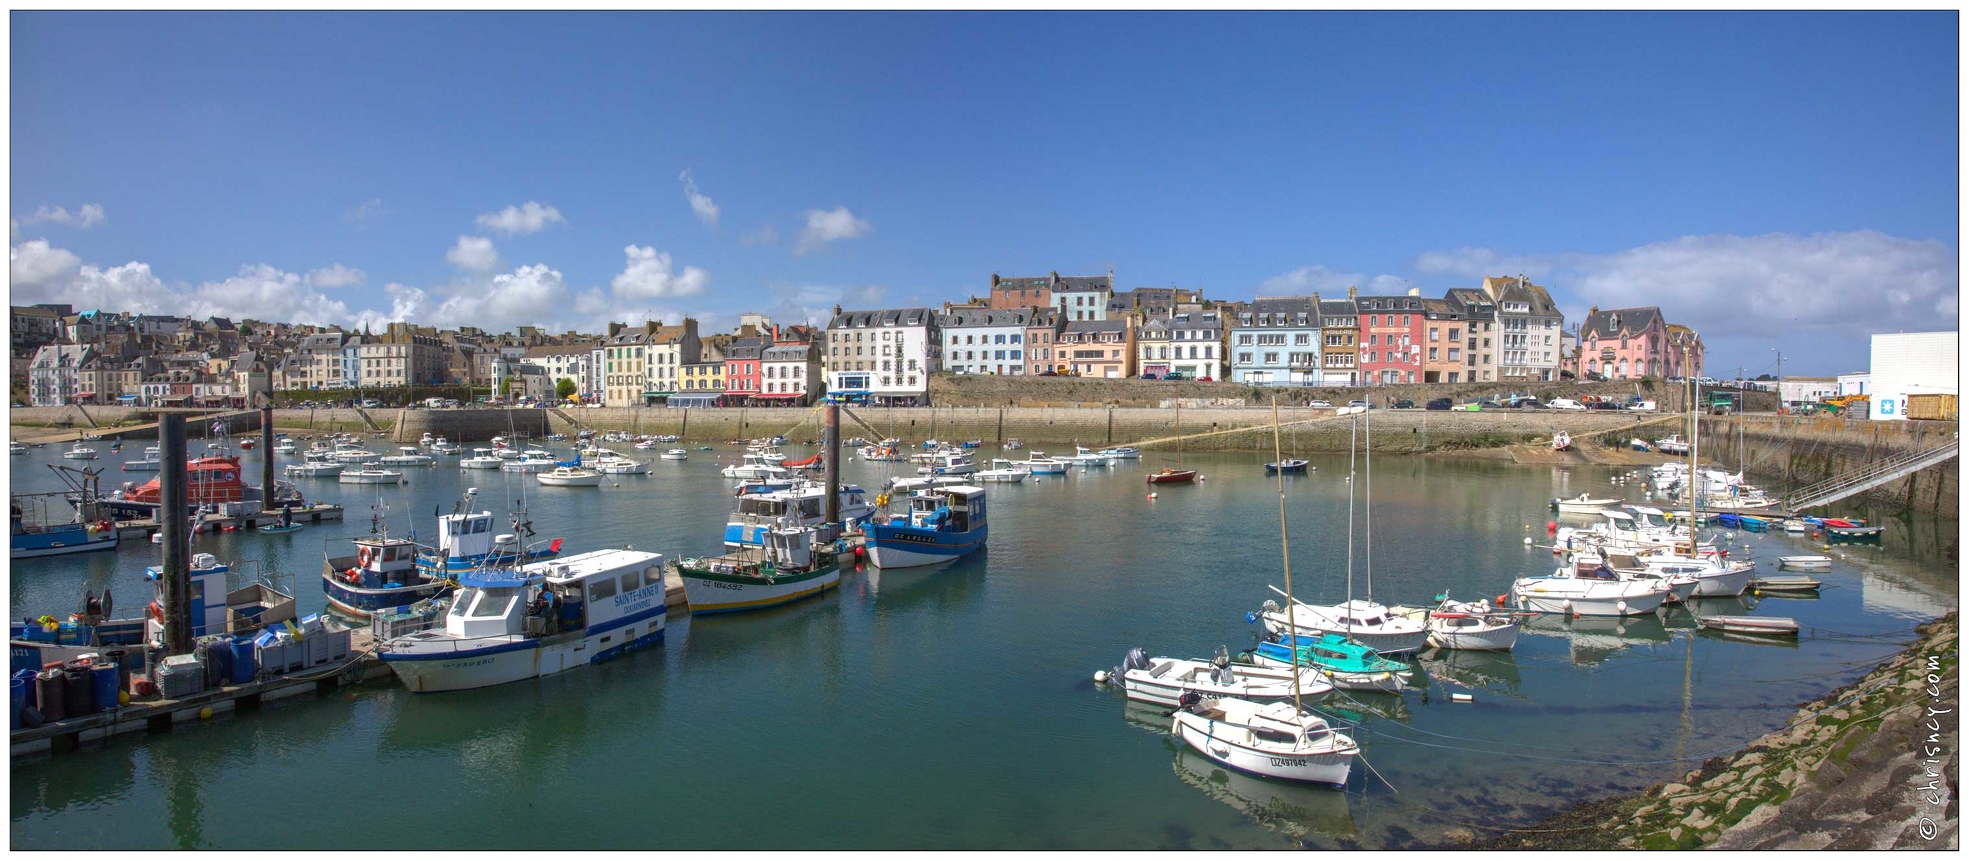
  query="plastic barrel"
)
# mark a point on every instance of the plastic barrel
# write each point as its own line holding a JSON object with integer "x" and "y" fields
{"x": 104, "y": 677}
{"x": 120, "y": 658}
{"x": 49, "y": 689}
{"x": 243, "y": 669}
{"x": 18, "y": 691}
{"x": 78, "y": 690}
{"x": 26, "y": 678}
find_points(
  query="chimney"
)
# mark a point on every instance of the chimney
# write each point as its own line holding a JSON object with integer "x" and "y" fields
{"x": 837, "y": 305}
{"x": 1414, "y": 291}
{"x": 994, "y": 279}
{"x": 1590, "y": 311}
{"x": 1352, "y": 293}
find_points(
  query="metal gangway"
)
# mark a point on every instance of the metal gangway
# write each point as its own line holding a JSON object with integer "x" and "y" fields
{"x": 1869, "y": 477}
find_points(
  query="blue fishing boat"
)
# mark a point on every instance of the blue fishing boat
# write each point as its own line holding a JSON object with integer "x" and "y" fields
{"x": 944, "y": 523}
{"x": 466, "y": 542}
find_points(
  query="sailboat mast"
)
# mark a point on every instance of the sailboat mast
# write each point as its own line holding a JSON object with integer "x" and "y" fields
{"x": 1367, "y": 513}
{"x": 1353, "y": 440}
{"x": 1695, "y": 445}
{"x": 1285, "y": 554}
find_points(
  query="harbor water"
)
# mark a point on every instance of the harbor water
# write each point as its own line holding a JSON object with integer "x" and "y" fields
{"x": 954, "y": 707}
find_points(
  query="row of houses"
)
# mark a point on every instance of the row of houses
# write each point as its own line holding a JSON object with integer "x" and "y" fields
{"x": 1506, "y": 329}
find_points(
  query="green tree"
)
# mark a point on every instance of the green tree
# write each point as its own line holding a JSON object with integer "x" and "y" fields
{"x": 565, "y": 388}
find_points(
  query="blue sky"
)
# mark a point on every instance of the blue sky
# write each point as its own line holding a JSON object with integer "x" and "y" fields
{"x": 1774, "y": 180}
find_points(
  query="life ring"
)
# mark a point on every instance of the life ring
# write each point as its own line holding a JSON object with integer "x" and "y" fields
{"x": 362, "y": 558}
{"x": 156, "y": 612}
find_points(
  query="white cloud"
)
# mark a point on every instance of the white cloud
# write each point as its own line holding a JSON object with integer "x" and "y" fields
{"x": 1330, "y": 284}
{"x": 647, "y": 274}
{"x": 765, "y": 235}
{"x": 89, "y": 215}
{"x": 1777, "y": 284}
{"x": 362, "y": 212}
{"x": 529, "y": 217}
{"x": 814, "y": 303}
{"x": 701, "y": 204}
{"x": 35, "y": 265}
{"x": 263, "y": 292}
{"x": 473, "y": 254}
{"x": 824, "y": 226}
{"x": 337, "y": 275}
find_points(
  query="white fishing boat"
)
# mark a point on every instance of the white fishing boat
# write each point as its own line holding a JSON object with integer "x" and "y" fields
{"x": 80, "y": 451}
{"x": 1805, "y": 563}
{"x": 674, "y": 454}
{"x": 152, "y": 461}
{"x": 1164, "y": 681}
{"x": 1672, "y": 444}
{"x": 369, "y": 475}
{"x": 1583, "y": 504}
{"x": 1039, "y": 464}
{"x": 446, "y": 447}
{"x": 1125, "y": 452}
{"x": 407, "y": 455}
{"x": 505, "y": 625}
{"x": 612, "y": 465}
{"x": 753, "y": 465}
{"x": 482, "y": 458}
{"x": 1084, "y": 456}
{"x": 1577, "y": 590}
{"x": 1003, "y": 471}
{"x": 956, "y": 463}
{"x": 903, "y": 486}
{"x": 804, "y": 504}
{"x": 1277, "y": 739}
{"x": 16, "y": 448}
{"x": 427, "y": 440}
{"x": 285, "y": 446}
{"x": 351, "y": 453}
{"x": 569, "y": 476}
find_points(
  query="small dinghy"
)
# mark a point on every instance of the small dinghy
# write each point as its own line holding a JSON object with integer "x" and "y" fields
{"x": 1805, "y": 563}
{"x": 1774, "y": 626}
{"x": 276, "y": 530}
{"x": 1762, "y": 585}
{"x": 1854, "y": 533}
{"x": 1583, "y": 504}
{"x": 1290, "y": 464}
{"x": 1164, "y": 681}
{"x": 1171, "y": 476}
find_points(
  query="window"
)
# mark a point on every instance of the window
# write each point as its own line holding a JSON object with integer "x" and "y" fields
{"x": 1271, "y": 358}
{"x": 1244, "y": 358}
{"x": 493, "y": 602}
{"x": 1302, "y": 339}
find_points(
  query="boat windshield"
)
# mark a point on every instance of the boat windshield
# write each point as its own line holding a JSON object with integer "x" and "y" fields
{"x": 493, "y": 602}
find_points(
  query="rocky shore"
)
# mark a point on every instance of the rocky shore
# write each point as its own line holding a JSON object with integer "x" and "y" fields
{"x": 1872, "y": 765}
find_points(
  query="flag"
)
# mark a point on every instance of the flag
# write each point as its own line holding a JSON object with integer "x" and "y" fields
{"x": 218, "y": 427}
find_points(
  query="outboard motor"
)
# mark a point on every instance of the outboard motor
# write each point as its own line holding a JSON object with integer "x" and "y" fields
{"x": 1136, "y": 659}
{"x": 1222, "y": 663}
{"x": 1188, "y": 701}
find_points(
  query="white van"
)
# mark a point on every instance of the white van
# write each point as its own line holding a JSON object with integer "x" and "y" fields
{"x": 1566, "y": 404}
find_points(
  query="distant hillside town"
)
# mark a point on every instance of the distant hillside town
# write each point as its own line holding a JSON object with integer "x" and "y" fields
{"x": 1504, "y": 330}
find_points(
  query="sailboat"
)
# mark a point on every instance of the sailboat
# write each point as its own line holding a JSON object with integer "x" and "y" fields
{"x": 1276, "y": 739}
{"x": 1167, "y": 475}
{"x": 1364, "y": 621}
{"x": 1289, "y": 464}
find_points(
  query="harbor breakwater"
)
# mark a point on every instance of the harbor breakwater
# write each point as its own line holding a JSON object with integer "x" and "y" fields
{"x": 1872, "y": 765}
{"x": 1783, "y": 453}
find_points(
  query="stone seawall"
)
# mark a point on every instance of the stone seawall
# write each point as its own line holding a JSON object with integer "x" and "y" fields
{"x": 1788, "y": 452}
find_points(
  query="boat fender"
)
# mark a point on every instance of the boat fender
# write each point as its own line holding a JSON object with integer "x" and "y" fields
{"x": 1551, "y": 527}
{"x": 1621, "y": 606}
{"x": 1250, "y": 617}
{"x": 1500, "y": 600}
{"x": 1566, "y": 606}
{"x": 1100, "y": 677}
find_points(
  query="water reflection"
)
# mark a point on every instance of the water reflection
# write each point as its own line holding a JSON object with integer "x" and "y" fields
{"x": 1295, "y": 810}
{"x": 1490, "y": 672}
{"x": 1592, "y": 640}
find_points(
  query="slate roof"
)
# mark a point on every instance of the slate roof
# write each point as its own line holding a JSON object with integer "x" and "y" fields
{"x": 1609, "y": 323}
{"x": 882, "y": 319}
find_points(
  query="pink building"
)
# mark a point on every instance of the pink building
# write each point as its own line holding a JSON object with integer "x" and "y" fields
{"x": 1391, "y": 338}
{"x": 1630, "y": 343}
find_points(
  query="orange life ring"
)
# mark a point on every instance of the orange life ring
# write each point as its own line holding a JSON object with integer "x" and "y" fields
{"x": 362, "y": 558}
{"x": 156, "y": 612}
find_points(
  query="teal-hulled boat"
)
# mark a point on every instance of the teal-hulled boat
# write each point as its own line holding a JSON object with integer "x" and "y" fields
{"x": 1750, "y": 523}
{"x": 1352, "y": 666}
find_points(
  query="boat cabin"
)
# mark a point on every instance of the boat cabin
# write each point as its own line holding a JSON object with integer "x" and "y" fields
{"x": 951, "y": 508}
{"x": 216, "y": 609}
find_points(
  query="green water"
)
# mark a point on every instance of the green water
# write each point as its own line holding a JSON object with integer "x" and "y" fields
{"x": 953, "y": 707}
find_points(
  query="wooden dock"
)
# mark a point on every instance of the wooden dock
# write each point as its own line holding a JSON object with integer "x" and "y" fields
{"x": 320, "y": 512}
{"x": 159, "y": 715}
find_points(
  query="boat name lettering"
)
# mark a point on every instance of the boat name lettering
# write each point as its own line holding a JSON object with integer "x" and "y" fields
{"x": 643, "y": 594}
{"x": 459, "y": 665}
{"x": 1286, "y": 763}
{"x": 732, "y": 586}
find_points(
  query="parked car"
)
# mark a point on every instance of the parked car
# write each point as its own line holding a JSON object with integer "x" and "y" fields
{"x": 371, "y": 403}
{"x": 1471, "y": 407}
{"x": 1359, "y": 404}
{"x": 1174, "y": 375}
{"x": 1150, "y": 377}
{"x": 1532, "y": 404}
{"x": 1403, "y": 404}
{"x": 1601, "y": 405}
{"x": 1567, "y": 404}
{"x": 1439, "y": 404}
{"x": 1206, "y": 379}
{"x": 1319, "y": 404}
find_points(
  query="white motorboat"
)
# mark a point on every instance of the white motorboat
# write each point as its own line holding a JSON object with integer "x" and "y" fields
{"x": 529, "y": 464}
{"x": 285, "y": 446}
{"x": 1796, "y": 526}
{"x": 506, "y": 625}
{"x": 959, "y": 463}
{"x": 1271, "y": 739}
{"x": 609, "y": 465}
{"x": 315, "y": 466}
{"x": 1805, "y": 563}
{"x": 1715, "y": 578}
{"x": 442, "y": 446}
{"x": 1638, "y": 444}
{"x": 754, "y": 466}
{"x": 1597, "y": 591}
{"x": 1368, "y": 623}
{"x": 1583, "y": 504}
{"x": 80, "y": 451}
{"x": 569, "y": 476}
{"x": 1561, "y": 441}
{"x": 757, "y": 513}
{"x": 1164, "y": 681}
{"x": 1039, "y": 464}
{"x": 1123, "y": 453}
{"x": 16, "y": 448}
{"x": 1003, "y": 471}
{"x": 1672, "y": 444}
{"x": 674, "y": 454}
{"x": 1470, "y": 626}
{"x": 152, "y": 461}
{"x": 482, "y": 458}
{"x": 1084, "y": 456}
{"x": 370, "y": 475}
{"x": 773, "y": 456}
{"x": 427, "y": 440}
{"x": 407, "y": 456}
{"x": 349, "y": 453}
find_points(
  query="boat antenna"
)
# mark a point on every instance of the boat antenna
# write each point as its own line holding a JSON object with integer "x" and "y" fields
{"x": 1285, "y": 555}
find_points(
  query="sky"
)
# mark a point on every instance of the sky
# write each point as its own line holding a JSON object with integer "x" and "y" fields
{"x": 1783, "y": 183}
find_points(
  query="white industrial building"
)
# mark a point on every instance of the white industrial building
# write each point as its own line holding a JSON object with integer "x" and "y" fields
{"x": 1796, "y": 391}
{"x": 1854, "y": 384}
{"x": 1909, "y": 363}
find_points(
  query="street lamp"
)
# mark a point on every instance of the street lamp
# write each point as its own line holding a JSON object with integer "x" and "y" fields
{"x": 1780, "y": 379}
